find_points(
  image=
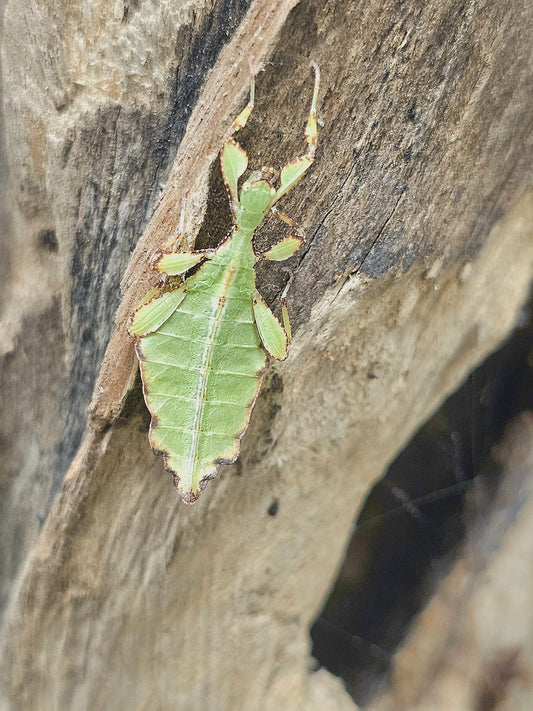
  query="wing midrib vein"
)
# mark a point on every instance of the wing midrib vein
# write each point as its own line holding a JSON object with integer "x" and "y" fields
{"x": 207, "y": 358}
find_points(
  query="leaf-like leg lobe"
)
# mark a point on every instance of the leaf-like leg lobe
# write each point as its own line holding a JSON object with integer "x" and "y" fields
{"x": 149, "y": 317}
{"x": 271, "y": 331}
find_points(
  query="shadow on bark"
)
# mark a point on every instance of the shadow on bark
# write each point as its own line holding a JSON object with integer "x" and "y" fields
{"x": 410, "y": 530}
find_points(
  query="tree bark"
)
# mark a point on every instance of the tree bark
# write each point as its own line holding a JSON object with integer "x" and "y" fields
{"x": 419, "y": 256}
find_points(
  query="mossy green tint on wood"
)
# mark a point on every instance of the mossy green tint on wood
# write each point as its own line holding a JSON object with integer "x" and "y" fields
{"x": 201, "y": 344}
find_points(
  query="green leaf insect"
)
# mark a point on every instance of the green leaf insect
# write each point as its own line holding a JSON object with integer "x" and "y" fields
{"x": 199, "y": 343}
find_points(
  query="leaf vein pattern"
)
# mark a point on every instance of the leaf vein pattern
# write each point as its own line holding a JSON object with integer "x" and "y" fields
{"x": 189, "y": 429}
{"x": 207, "y": 358}
{"x": 202, "y": 341}
{"x": 200, "y": 368}
{"x": 211, "y": 401}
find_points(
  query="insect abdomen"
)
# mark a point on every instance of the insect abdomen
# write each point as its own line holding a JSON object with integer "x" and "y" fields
{"x": 202, "y": 371}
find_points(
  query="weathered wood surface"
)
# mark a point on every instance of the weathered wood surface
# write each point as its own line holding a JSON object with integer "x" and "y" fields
{"x": 420, "y": 254}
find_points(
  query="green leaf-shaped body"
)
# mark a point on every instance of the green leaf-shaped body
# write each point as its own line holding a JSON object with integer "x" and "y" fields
{"x": 199, "y": 344}
{"x": 202, "y": 369}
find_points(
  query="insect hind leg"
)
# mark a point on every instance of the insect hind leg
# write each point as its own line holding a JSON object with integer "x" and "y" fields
{"x": 284, "y": 309}
{"x": 311, "y": 133}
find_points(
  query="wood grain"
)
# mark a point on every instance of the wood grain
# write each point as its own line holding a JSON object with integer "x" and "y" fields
{"x": 418, "y": 213}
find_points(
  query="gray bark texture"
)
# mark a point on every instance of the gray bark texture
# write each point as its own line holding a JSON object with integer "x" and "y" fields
{"x": 419, "y": 257}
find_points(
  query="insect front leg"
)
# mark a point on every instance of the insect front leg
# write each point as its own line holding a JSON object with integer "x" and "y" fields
{"x": 294, "y": 170}
{"x": 178, "y": 234}
{"x": 233, "y": 158}
{"x": 242, "y": 118}
{"x": 287, "y": 246}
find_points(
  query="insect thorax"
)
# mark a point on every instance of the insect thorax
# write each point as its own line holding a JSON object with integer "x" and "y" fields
{"x": 255, "y": 199}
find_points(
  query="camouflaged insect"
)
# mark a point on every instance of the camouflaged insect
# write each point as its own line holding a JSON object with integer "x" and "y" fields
{"x": 199, "y": 344}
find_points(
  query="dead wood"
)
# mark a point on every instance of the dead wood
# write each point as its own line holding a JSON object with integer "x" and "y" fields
{"x": 419, "y": 256}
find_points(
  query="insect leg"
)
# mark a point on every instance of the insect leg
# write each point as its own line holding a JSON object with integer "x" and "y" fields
{"x": 154, "y": 311}
{"x": 275, "y": 337}
{"x": 233, "y": 158}
{"x": 242, "y": 118}
{"x": 294, "y": 170}
{"x": 176, "y": 263}
{"x": 284, "y": 309}
{"x": 311, "y": 133}
{"x": 168, "y": 261}
{"x": 233, "y": 162}
{"x": 168, "y": 246}
{"x": 287, "y": 246}
{"x": 272, "y": 333}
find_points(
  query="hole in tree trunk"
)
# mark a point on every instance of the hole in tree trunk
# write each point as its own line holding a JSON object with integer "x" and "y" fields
{"x": 410, "y": 528}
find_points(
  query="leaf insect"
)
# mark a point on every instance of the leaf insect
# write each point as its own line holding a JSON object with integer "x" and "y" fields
{"x": 199, "y": 342}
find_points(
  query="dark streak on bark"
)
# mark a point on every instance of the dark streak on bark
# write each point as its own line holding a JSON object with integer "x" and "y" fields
{"x": 105, "y": 238}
